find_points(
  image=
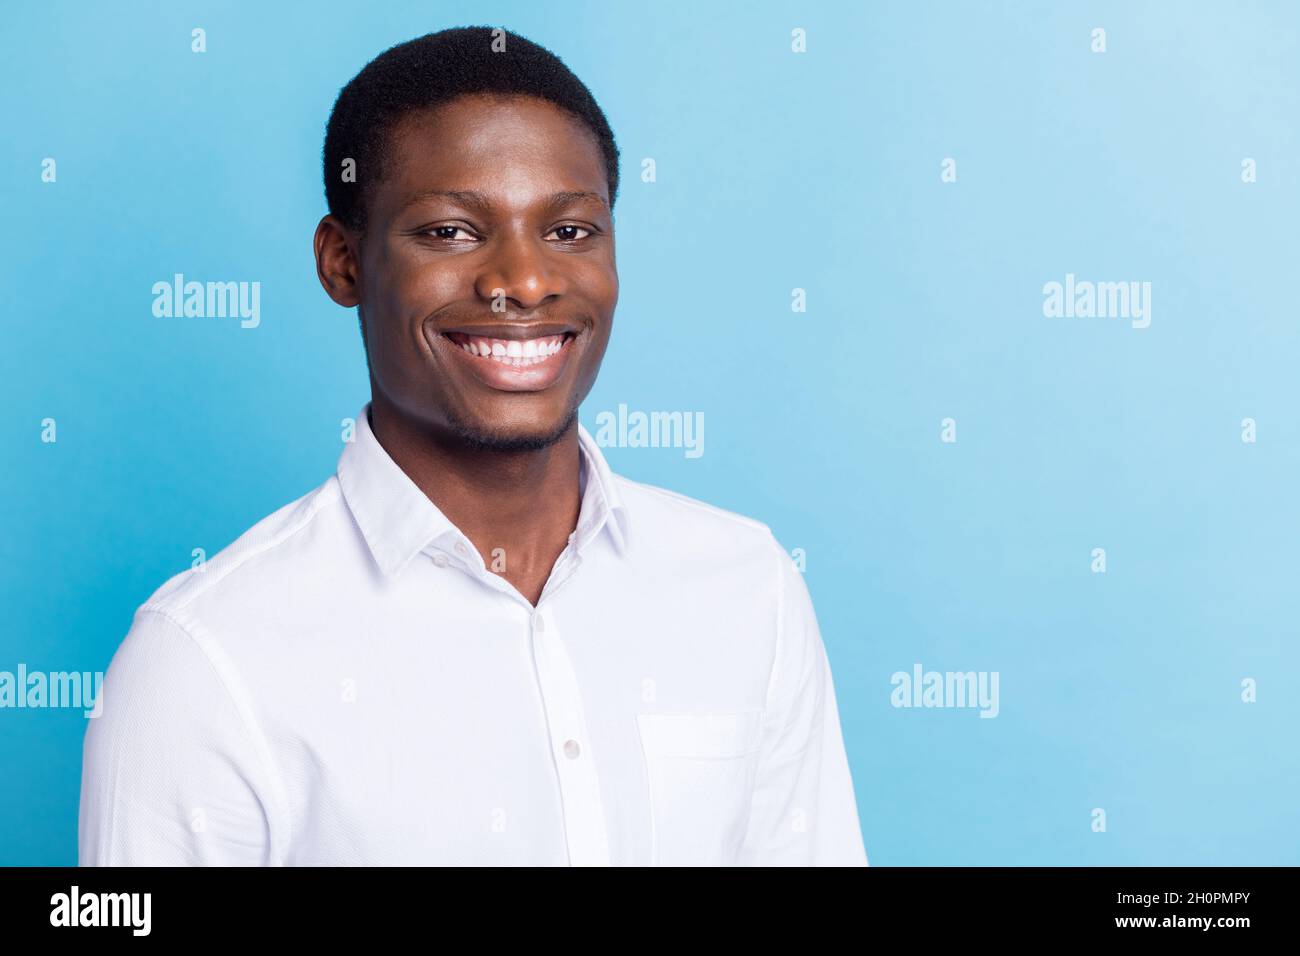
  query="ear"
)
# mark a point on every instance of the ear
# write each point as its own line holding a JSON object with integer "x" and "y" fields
{"x": 337, "y": 261}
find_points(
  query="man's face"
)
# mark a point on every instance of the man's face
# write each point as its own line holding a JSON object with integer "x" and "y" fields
{"x": 490, "y": 231}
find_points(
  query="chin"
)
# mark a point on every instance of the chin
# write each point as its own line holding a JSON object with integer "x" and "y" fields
{"x": 532, "y": 437}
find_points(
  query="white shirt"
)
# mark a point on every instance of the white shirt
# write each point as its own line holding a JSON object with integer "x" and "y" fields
{"x": 348, "y": 684}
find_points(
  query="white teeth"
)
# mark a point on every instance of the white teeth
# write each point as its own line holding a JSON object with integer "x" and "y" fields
{"x": 513, "y": 352}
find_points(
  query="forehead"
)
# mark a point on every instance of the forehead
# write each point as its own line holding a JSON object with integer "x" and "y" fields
{"x": 515, "y": 149}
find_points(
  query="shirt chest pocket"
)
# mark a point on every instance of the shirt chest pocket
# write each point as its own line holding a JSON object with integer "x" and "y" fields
{"x": 700, "y": 772}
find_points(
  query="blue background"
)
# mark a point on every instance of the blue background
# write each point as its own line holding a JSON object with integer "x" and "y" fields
{"x": 775, "y": 171}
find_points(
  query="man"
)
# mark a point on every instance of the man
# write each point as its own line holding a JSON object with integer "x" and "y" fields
{"x": 475, "y": 644}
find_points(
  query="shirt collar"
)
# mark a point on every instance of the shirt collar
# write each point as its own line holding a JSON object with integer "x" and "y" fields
{"x": 399, "y": 521}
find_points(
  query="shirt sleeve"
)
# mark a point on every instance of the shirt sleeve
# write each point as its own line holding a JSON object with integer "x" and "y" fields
{"x": 804, "y": 810}
{"x": 171, "y": 775}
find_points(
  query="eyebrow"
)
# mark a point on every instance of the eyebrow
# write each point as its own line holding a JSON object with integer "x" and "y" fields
{"x": 477, "y": 200}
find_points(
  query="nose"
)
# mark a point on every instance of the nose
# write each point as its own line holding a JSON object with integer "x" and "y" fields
{"x": 521, "y": 270}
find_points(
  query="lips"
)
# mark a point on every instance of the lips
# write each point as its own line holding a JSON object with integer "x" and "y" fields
{"x": 512, "y": 359}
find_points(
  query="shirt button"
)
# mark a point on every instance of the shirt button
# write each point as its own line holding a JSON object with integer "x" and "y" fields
{"x": 539, "y": 622}
{"x": 460, "y": 548}
{"x": 440, "y": 559}
{"x": 571, "y": 749}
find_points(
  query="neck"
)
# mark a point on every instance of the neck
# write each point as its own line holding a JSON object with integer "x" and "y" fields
{"x": 525, "y": 503}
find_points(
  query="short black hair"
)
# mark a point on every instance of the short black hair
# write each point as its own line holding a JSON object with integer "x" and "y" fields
{"x": 432, "y": 70}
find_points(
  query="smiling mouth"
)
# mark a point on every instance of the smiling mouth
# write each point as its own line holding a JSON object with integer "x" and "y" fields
{"x": 514, "y": 353}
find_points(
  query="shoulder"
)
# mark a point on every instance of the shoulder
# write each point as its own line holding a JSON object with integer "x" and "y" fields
{"x": 264, "y": 560}
{"x": 670, "y": 520}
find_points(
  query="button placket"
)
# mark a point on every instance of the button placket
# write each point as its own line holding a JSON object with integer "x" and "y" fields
{"x": 584, "y": 817}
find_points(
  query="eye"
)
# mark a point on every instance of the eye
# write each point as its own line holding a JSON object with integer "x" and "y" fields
{"x": 448, "y": 233}
{"x": 568, "y": 232}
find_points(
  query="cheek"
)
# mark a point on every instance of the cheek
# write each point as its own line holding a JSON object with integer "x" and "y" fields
{"x": 601, "y": 278}
{"x": 609, "y": 301}
{"x": 597, "y": 285}
{"x": 421, "y": 288}
{"x": 406, "y": 295}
